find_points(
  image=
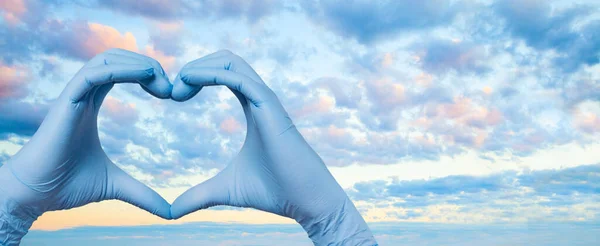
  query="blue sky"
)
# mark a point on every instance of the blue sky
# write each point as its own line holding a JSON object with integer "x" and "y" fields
{"x": 463, "y": 112}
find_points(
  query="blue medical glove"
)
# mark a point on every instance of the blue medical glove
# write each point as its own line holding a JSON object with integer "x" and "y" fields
{"x": 63, "y": 166}
{"x": 276, "y": 170}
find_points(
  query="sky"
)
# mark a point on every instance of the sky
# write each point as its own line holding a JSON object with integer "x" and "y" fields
{"x": 450, "y": 114}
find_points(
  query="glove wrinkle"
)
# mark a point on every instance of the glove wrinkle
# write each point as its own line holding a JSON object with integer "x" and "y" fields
{"x": 15, "y": 220}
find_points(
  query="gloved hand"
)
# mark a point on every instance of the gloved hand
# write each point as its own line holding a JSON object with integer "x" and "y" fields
{"x": 276, "y": 170}
{"x": 63, "y": 165}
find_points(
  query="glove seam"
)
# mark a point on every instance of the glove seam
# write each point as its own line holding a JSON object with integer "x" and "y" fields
{"x": 286, "y": 129}
{"x": 12, "y": 172}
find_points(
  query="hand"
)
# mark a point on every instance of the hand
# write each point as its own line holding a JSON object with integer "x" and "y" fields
{"x": 276, "y": 170}
{"x": 63, "y": 166}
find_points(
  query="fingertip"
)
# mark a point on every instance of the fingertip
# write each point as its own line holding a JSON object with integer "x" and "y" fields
{"x": 182, "y": 91}
{"x": 175, "y": 212}
{"x": 158, "y": 85}
{"x": 165, "y": 87}
{"x": 183, "y": 205}
{"x": 164, "y": 211}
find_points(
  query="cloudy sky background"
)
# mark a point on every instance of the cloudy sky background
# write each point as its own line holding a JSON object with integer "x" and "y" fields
{"x": 462, "y": 113}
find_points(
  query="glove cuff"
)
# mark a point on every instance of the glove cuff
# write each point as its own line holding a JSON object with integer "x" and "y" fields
{"x": 343, "y": 227}
{"x": 15, "y": 220}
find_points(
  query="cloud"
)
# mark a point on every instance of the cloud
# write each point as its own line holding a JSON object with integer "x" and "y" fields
{"x": 121, "y": 113}
{"x": 583, "y": 180}
{"x": 543, "y": 28}
{"x": 16, "y": 43}
{"x": 207, "y": 140}
{"x": 167, "y": 38}
{"x": 252, "y": 11}
{"x": 13, "y": 10}
{"x": 81, "y": 40}
{"x": 365, "y": 103}
{"x": 507, "y": 195}
{"x": 345, "y": 95}
{"x": 386, "y": 93}
{"x": 20, "y": 118}
{"x": 367, "y": 22}
{"x": 28, "y": 12}
{"x": 230, "y": 125}
{"x": 440, "y": 56}
{"x": 13, "y": 83}
{"x": 156, "y": 9}
{"x": 586, "y": 116}
{"x": 168, "y": 62}
{"x": 77, "y": 40}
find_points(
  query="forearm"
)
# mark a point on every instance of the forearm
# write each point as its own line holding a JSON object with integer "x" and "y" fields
{"x": 15, "y": 220}
{"x": 343, "y": 227}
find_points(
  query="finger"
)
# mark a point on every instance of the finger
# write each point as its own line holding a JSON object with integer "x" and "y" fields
{"x": 232, "y": 63}
{"x": 110, "y": 58}
{"x": 159, "y": 87}
{"x": 212, "y": 192}
{"x": 132, "y": 191}
{"x": 90, "y": 78}
{"x": 182, "y": 91}
{"x": 256, "y": 93}
{"x": 113, "y": 59}
{"x": 134, "y": 55}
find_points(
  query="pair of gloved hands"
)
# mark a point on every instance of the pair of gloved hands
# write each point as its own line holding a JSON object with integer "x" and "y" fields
{"x": 63, "y": 166}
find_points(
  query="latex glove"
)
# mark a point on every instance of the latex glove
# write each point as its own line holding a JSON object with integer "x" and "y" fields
{"x": 276, "y": 170}
{"x": 63, "y": 166}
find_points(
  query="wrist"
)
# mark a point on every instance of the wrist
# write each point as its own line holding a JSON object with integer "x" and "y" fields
{"x": 15, "y": 219}
{"x": 342, "y": 227}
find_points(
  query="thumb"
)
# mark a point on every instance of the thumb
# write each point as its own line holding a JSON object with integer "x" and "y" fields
{"x": 212, "y": 192}
{"x": 134, "y": 192}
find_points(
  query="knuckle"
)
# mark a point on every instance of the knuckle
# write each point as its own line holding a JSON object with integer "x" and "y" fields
{"x": 153, "y": 61}
{"x": 235, "y": 62}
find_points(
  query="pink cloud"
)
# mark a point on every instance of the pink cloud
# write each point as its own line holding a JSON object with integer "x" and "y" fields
{"x": 230, "y": 125}
{"x": 462, "y": 122}
{"x": 323, "y": 105}
{"x": 386, "y": 93}
{"x": 463, "y": 110}
{"x": 169, "y": 27}
{"x": 423, "y": 79}
{"x": 587, "y": 122}
{"x": 13, "y": 82}
{"x": 101, "y": 38}
{"x": 166, "y": 61}
{"x": 120, "y": 112}
{"x": 13, "y": 10}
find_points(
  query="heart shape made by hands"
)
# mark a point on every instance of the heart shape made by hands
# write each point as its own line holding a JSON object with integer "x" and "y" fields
{"x": 63, "y": 166}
